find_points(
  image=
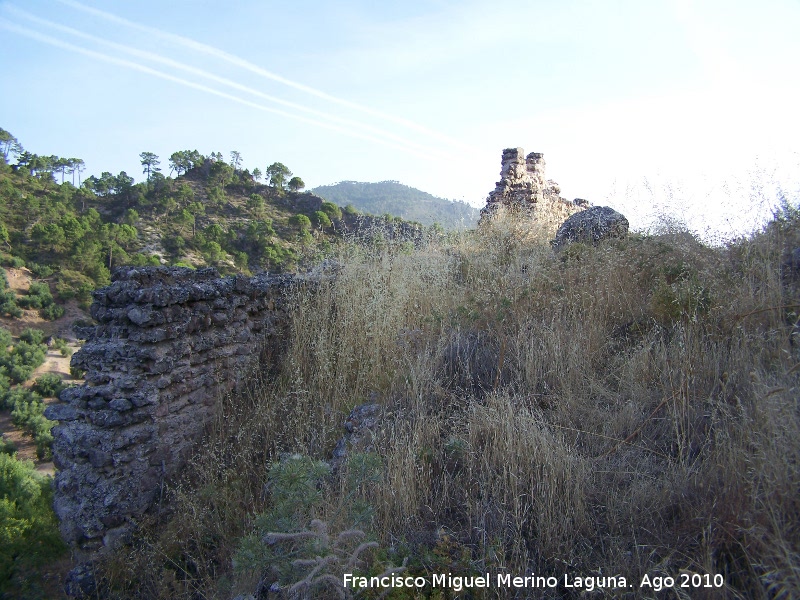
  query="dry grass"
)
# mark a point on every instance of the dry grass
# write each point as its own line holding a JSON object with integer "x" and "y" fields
{"x": 626, "y": 409}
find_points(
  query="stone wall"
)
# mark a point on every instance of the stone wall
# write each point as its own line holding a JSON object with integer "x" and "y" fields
{"x": 169, "y": 343}
{"x": 523, "y": 187}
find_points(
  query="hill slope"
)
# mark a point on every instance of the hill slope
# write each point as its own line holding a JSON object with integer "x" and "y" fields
{"x": 400, "y": 200}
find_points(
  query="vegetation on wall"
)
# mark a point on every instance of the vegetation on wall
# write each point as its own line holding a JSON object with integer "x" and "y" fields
{"x": 628, "y": 407}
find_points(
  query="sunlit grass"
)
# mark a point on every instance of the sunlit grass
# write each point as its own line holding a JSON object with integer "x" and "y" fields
{"x": 627, "y": 409}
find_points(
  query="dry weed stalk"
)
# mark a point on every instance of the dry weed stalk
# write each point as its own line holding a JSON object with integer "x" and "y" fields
{"x": 521, "y": 444}
{"x": 325, "y": 572}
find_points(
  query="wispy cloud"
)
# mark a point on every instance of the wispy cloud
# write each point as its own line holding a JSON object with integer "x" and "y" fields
{"x": 41, "y": 37}
{"x": 151, "y": 56}
{"x": 249, "y": 66}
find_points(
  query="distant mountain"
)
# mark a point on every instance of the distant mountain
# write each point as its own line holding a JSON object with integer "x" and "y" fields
{"x": 401, "y": 201}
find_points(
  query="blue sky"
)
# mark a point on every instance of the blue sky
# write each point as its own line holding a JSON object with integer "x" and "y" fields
{"x": 685, "y": 107}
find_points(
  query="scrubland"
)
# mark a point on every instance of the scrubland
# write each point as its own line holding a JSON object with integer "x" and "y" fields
{"x": 629, "y": 409}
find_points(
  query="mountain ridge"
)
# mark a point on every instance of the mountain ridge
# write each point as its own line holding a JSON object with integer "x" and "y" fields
{"x": 400, "y": 200}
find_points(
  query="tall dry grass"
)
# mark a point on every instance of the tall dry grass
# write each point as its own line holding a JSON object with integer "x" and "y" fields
{"x": 628, "y": 409}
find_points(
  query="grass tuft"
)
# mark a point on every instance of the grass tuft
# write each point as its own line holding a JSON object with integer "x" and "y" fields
{"x": 624, "y": 409}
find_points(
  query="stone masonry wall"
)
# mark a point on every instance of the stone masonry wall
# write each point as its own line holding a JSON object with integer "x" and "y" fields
{"x": 169, "y": 342}
{"x": 523, "y": 186}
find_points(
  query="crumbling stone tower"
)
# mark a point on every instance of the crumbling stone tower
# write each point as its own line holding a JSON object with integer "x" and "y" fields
{"x": 523, "y": 187}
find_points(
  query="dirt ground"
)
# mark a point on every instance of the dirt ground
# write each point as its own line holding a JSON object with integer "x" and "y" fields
{"x": 19, "y": 280}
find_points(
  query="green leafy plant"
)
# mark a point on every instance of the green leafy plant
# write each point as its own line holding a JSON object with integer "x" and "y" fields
{"x": 7, "y": 446}
{"x": 29, "y": 537}
{"x": 48, "y": 385}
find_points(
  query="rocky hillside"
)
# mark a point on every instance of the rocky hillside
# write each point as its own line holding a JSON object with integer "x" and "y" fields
{"x": 212, "y": 213}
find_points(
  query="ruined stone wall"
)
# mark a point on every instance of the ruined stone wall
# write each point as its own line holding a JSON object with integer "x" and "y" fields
{"x": 169, "y": 342}
{"x": 523, "y": 187}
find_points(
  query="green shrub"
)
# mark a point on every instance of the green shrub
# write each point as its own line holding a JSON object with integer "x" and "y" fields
{"x": 277, "y": 257}
{"x": 32, "y": 336}
{"x": 27, "y": 409}
{"x": 38, "y": 296}
{"x": 29, "y": 536}
{"x": 8, "y": 305}
{"x": 216, "y": 196}
{"x": 294, "y": 490}
{"x": 310, "y": 559}
{"x": 13, "y": 261}
{"x": 5, "y": 386}
{"x": 25, "y": 356}
{"x": 300, "y": 222}
{"x": 51, "y": 312}
{"x": 8, "y": 299}
{"x": 40, "y": 271}
{"x": 213, "y": 253}
{"x": 321, "y": 219}
{"x": 255, "y": 202}
{"x": 63, "y": 347}
{"x": 5, "y": 341}
{"x": 27, "y": 413}
{"x": 20, "y": 373}
{"x": 240, "y": 260}
{"x": 48, "y": 385}
{"x": 72, "y": 284}
{"x": 141, "y": 259}
{"x": 330, "y": 209}
{"x": 7, "y": 446}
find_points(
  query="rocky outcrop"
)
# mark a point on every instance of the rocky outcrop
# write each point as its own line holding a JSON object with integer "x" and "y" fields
{"x": 591, "y": 226}
{"x": 169, "y": 343}
{"x": 523, "y": 187}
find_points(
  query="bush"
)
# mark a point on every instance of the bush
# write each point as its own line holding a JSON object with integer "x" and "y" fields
{"x": 321, "y": 219}
{"x": 8, "y": 305}
{"x": 142, "y": 259}
{"x": 32, "y": 336}
{"x": 27, "y": 413}
{"x": 51, "y": 312}
{"x": 63, "y": 347}
{"x": 330, "y": 209}
{"x": 240, "y": 260}
{"x": 40, "y": 271}
{"x": 48, "y": 385}
{"x": 300, "y": 222}
{"x": 213, "y": 253}
{"x": 294, "y": 490}
{"x": 277, "y": 257}
{"x": 7, "y": 446}
{"x": 72, "y": 284}
{"x": 25, "y": 356}
{"x": 8, "y": 299}
{"x": 255, "y": 202}
{"x": 183, "y": 263}
{"x": 38, "y": 296}
{"x": 29, "y": 536}
{"x": 5, "y": 341}
{"x": 12, "y": 261}
{"x": 216, "y": 196}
